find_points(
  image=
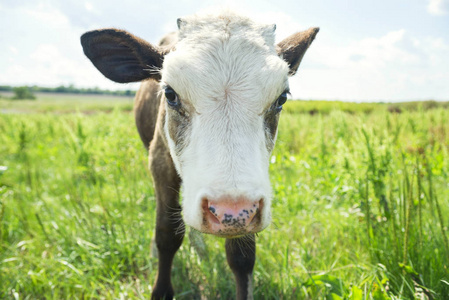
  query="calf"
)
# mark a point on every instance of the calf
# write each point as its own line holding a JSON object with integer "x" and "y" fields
{"x": 207, "y": 111}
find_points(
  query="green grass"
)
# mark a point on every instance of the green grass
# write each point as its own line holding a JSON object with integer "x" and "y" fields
{"x": 313, "y": 107}
{"x": 360, "y": 209}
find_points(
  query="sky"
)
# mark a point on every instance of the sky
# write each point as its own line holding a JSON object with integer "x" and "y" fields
{"x": 376, "y": 50}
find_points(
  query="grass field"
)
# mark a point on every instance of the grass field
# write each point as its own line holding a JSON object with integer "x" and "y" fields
{"x": 360, "y": 209}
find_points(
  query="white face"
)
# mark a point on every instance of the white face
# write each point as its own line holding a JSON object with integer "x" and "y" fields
{"x": 222, "y": 124}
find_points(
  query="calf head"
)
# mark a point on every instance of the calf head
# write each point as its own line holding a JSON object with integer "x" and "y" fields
{"x": 224, "y": 84}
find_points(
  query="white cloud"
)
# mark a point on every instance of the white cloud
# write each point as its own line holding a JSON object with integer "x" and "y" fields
{"x": 13, "y": 50}
{"x": 438, "y": 7}
{"x": 48, "y": 66}
{"x": 88, "y": 6}
{"x": 43, "y": 48}
{"x": 48, "y": 15}
{"x": 395, "y": 66}
{"x": 285, "y": 24}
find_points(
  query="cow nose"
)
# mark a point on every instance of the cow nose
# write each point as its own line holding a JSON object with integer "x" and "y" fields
{"x": 231, "y": 217}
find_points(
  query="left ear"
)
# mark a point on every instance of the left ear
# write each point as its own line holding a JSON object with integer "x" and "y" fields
{"x": 293, "y": 48}
{"x": 121, "y": 56}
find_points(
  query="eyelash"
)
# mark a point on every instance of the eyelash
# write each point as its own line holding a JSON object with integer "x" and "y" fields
{"x": 171, "y": 97}
{"x": 280, "y": 101}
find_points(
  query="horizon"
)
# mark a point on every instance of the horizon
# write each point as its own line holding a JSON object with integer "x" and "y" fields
{"x": 106, "y": 91}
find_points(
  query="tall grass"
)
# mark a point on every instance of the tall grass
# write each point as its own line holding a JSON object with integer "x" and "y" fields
{"x": 360, "y": 210}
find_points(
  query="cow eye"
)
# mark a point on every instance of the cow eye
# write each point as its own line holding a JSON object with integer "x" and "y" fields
{"x": 172, "y": 97}
{"x": 281, "y": 101}
{"x": 282, "y": 98}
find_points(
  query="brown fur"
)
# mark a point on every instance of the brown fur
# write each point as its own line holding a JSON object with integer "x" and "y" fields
{"x": 148, "y": 98}
{"x": 271, "y": 120}
{"x": 169, "y": 224}
{"x": 146, "y": 107}
{"x": 150, "y": 118}
{"x": 241, "y": 257}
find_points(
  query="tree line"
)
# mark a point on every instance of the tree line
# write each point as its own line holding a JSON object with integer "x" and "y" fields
{"x": 69, "y": 89}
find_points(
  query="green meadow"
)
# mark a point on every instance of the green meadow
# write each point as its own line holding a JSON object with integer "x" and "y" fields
{"x": 360, "y": 207}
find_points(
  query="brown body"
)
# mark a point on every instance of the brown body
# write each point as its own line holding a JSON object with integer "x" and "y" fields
{"x": 122, "y": 57}
{"x": 148, "y": 99}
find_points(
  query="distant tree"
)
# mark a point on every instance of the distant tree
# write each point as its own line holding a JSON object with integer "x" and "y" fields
{"x": 22, "y": 93}
{"x": 61, "y": 89}
{"x": 5, "y": 88}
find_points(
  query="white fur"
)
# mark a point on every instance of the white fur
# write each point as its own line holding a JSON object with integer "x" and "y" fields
{"x": 227, "y": 73}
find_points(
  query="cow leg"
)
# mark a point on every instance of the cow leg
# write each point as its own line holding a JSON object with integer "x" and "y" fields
{"x": 169, "y": 224}
{"x": 241, "y": 256}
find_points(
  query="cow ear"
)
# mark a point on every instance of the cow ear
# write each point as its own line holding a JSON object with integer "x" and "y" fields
{"x": 121, "y": 56}
{"x": 293, "y": 48}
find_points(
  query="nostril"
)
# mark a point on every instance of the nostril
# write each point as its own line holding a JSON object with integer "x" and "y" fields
{"x": 257, "y": 217}
{"x": 209, "y": 212}
{"x": 212, "y": 209}
{"x": 213, "y": 215}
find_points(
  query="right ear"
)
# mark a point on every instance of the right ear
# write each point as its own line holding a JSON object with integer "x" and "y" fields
{"x": 121, "y": 56}
{"x": 293, "y": 48}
